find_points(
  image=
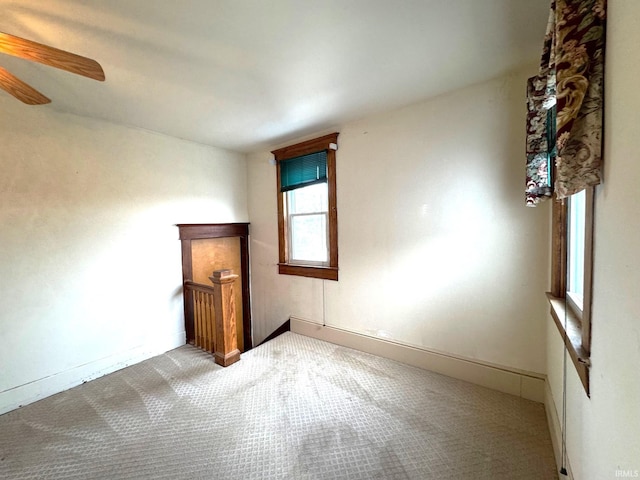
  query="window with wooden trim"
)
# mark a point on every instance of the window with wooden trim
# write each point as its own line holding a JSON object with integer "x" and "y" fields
{"x": 571, "y": 281}
{"x": 307, "y": 210}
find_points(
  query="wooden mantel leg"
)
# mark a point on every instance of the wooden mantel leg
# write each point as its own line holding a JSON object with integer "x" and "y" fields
{"x": 226, "y": 351}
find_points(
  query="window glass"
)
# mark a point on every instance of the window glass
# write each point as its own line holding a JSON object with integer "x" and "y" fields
{"x": 575, "y": 247}
{"x": 308, "y": 199}
{"x": 308, "y": 232}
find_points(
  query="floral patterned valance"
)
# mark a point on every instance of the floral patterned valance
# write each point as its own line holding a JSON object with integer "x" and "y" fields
{"x": 565, "y": 102}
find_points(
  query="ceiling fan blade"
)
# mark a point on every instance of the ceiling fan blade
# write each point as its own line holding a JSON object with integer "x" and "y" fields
{"x": 23, "y": 92}
{"x": 37, "y": 52}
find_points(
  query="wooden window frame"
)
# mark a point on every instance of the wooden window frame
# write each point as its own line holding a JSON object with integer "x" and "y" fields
{"x": 327, "y": 143}
{"x": 577, "y": 334}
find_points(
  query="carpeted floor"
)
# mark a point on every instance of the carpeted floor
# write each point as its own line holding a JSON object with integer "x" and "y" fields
{"x": 294, "y": 408}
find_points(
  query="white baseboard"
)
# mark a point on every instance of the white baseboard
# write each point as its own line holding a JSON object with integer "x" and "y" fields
{"x": 555, "y": 429}
{"x": 527, "y": 385}
{"x": 37, "y": 390}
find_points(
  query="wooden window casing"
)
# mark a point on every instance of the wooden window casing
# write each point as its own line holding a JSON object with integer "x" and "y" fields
{"x": 329, "y": 272}
{"x": 574, "y": 325}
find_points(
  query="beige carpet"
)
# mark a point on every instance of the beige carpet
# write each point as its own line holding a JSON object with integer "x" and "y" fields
{"x": 294, "y": 408}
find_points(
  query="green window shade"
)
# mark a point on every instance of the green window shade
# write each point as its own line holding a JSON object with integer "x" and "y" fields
{"x": 303, "y": 171}
{"x": 552, "y": 147}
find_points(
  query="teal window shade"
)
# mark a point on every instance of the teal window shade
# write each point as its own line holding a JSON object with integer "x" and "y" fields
{"x": 552, "y": 148}
{"x": 302, "y": 171}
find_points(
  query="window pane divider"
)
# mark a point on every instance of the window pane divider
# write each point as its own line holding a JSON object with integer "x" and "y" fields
{"x": 308, "y": 214}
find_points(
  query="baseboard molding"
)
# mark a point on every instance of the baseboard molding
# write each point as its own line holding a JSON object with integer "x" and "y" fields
{"x": 527, "y": 385}
{"x": 555, "y": 429}
{"x": 33, "y": 391}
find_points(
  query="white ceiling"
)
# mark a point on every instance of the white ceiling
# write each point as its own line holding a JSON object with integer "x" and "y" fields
{"x": 243, "y": 74}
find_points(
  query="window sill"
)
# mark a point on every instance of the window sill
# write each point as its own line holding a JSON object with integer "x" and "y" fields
{"x": 326, "y": 273}
{"x": 572, "y": 337}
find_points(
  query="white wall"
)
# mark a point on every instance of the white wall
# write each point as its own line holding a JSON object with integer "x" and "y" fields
{"x": 90, "y": 263}
{"x": 603, "y": 432}
{"x": 436, "y": 247}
